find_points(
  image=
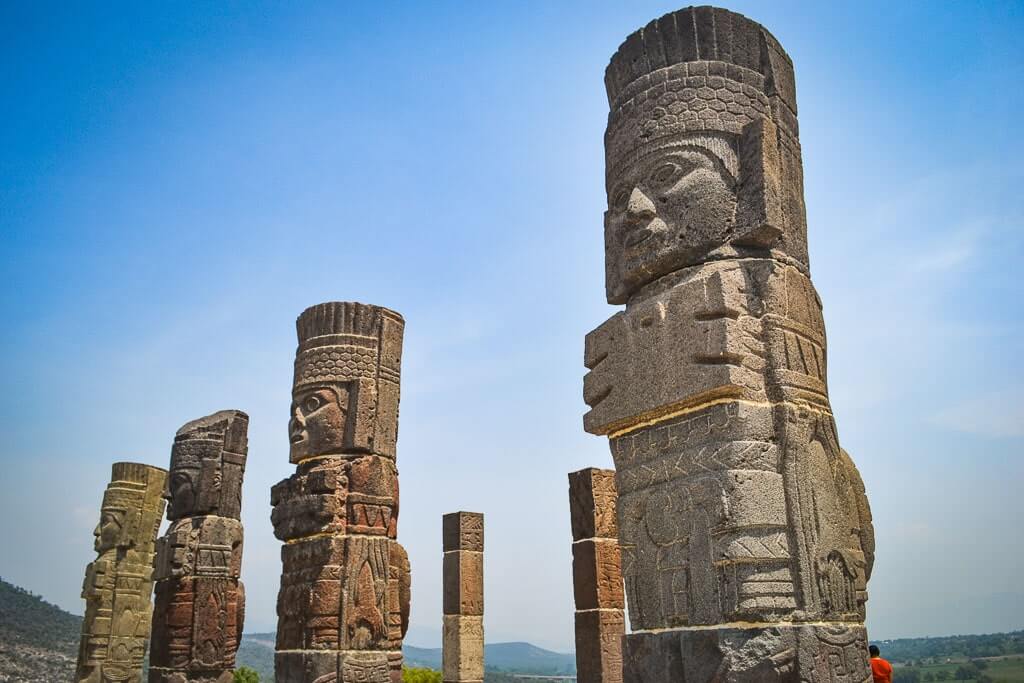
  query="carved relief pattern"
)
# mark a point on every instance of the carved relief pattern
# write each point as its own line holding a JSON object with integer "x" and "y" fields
{"x": 200, "y": 601}
{"x": 736, "y": 503}
{"x": 118, "y": 584}
{"x": 343, "y": 604}
{"x": 463, "y": 600}
{"x": 597, "y": 576}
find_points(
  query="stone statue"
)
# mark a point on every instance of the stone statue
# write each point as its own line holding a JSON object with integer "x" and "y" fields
{"x": 343, "y": 607}
{"x": 200, "y": 602}
{"x": 745, "y": 532}
{"x": 118, "y": 584}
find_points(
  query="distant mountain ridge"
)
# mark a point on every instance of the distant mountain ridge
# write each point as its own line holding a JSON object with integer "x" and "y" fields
{"x": 38, "y": 641}
{"x": 508, "y": 657}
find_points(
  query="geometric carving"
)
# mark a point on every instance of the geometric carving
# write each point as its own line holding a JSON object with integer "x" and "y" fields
{"x": 735, "y": 501}
{"x": 118, "y": 584}
{"x": 596, "y": 576}
{"x": 343, "y": 604}
{"x": 200, "y": 601}
{"x": 463, "y": 603}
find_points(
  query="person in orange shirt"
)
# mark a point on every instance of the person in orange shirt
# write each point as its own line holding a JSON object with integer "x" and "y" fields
{"x": 881, "y": 670}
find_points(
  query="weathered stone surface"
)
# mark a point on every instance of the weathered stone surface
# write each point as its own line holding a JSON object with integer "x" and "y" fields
{"x": 772, "y": 654}
{"x": 599, "y": 645}
{"x": 463, "y": 531}
{"x": 463, "y": 651}
{"x": 735, "y": 501}
{"x": 343, "y": 606}
{"x": 334, "y": 667}
{"x": 596, "y": 576}
{"x": 118, "y": 584}
{"x": 463, "y": 582}
{"x": 592, "y": 504}
{"x": 463, "y": 605}
{"x": 200, "y": 602}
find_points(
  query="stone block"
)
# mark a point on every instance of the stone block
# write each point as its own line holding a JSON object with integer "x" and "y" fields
{"x": 463, "y": 648}
{"x": 772, "y": 654}
{"x": 596, "y": 574}
{"x": 463, "y": 573}
{"x": 463, "y": 531}
{"x": 592, "y": 503}
{"x": 694, "y": 343}
{"x": 599, "y": 646}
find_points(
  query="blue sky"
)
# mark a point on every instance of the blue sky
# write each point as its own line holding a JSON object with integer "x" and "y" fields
{"x": 177, "y": 182}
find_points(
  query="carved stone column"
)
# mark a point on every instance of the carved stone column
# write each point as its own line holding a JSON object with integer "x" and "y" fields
{"x": 343, "y": 607}
{"x": 463, "y": 605}
{"x": 596, "y": 576}
{"x": 118, "y": 584}
{"x": 744, "y": 528}
{"x": 200, "y": 602}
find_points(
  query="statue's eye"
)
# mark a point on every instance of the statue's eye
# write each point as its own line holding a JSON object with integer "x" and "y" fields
{"x": 664, "y": 173}
{"x": 312, "y": 403}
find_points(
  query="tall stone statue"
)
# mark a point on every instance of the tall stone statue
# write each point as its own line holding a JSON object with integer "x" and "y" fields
{"x": 118, "y": 585}
{"x": 744, "y": 528}
{"x": 343, "y": 607}
{"x": 200, "y": 602}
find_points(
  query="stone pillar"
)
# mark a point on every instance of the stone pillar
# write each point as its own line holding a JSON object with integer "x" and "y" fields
{"x": 200, "y": 602}
{"x": 745, "y": 532}
{"x": 118, "y": 584}
{"x": 463, "y": 634}
{"x": 596, "y": 576}
{"x": 343, "y": 607}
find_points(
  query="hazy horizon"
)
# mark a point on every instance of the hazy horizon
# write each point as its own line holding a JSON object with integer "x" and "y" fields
{"x": 180, "y": 182}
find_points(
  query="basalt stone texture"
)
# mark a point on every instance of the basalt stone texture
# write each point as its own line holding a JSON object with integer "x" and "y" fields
{"x": 343, "y": 605}
{"x": 200, "y": 602}
{"x": 463, "y": 652}
{"x": 118, "y": 584}
{"x": 463, "y": 603}
{"x": 735, "y": 501}
{"x": 776, "y": 654}
{"x": 596, "y": 576}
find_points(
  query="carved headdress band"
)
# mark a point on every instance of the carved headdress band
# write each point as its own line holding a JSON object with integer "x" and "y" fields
{"x": 698, "y": 69}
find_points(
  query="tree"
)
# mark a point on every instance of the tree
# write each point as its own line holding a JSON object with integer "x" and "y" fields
{"x": 420, "y": 675}
{"x": 246, "y": 675}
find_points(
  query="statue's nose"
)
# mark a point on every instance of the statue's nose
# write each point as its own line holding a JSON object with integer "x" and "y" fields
{"x": 640, "y": 205}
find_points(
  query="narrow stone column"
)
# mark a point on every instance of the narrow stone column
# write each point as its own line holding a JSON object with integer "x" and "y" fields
{"x": 744, "y": 528}
{"x": 118, "y": 586}
{"x": 596, "y": 576}
{"x": 343, "y": 606}
{"x": 200, "y": 601}
{"x": 463, "y": 636}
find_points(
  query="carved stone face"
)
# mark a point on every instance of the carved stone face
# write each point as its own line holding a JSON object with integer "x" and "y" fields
{"x": 665, "y": 211}
{"x": 182, "y": 486}
{"x": 318, "y": 420}
{"x": 108, "y": 531}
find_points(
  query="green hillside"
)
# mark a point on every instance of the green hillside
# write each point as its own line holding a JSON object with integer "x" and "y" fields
{"x": 38, "y": 641}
